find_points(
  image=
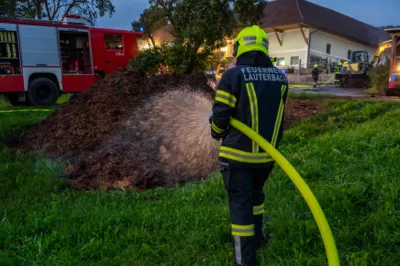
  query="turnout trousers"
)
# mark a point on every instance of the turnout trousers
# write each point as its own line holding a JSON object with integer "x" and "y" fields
{"x": 246, "y": 203}
{"x": 337, "y": 77}
{"x": 315, "y": 79}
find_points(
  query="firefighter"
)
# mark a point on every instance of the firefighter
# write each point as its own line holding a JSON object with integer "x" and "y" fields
{"x": 345, "y": 66}
{"x": 337, "y": 73}
{"x": 254, "y": 92}
{"x": 221, "y": 68}
{"x": 315, "y": 75}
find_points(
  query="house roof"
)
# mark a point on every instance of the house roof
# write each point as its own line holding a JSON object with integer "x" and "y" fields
{"x": 393, "y": 30}
{"x": 281, "y": 13}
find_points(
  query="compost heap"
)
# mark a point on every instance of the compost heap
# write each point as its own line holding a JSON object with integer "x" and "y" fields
{"x": 136, "y": 132}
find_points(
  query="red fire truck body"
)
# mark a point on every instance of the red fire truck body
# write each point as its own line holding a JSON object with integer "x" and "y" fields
{"x": 40, "y": 60}
{"x": 394, "y": 79}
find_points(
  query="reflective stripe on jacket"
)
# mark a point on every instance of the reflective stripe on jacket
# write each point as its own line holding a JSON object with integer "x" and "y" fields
{"x": 254, "y": 92}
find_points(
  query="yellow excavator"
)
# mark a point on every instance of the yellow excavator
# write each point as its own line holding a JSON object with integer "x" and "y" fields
{"x": 382, "y": 54}
{"x": 355, "y": 71}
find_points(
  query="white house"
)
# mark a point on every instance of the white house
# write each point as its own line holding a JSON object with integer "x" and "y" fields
{"x": 302, "y": 32}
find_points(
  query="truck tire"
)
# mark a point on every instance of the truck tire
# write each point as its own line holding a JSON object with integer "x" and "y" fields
{"x": 42, "y": 91}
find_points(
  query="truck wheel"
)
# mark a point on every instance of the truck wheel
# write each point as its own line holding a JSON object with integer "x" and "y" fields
{"x": 42, "y": 91}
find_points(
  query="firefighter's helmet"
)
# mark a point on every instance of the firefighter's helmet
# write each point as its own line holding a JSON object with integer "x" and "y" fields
{"x": 316, "y": 66}
{"x": 251, "y": 39}
{"x": 224, "y": 61}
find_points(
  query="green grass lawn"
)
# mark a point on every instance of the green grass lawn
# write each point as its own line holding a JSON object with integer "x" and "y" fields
{"x": 349, "y": 157}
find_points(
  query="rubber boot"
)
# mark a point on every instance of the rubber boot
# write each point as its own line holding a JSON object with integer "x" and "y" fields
{"x": 244, "y": 251}
{"x": 261, "y": 238}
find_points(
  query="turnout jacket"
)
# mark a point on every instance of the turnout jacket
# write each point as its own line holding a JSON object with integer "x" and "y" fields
{"x": 315, "y": 72}
{"x": 254, "y": 92}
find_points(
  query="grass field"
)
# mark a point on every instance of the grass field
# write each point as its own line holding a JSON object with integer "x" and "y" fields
{"x": 349, "y": 157}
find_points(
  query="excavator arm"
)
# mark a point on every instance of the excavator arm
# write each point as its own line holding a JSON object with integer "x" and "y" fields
{"x": 383, "y": 51}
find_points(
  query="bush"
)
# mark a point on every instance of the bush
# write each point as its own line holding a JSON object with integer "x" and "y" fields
{"x": 379, "y": 77}
{"x": 212, "y": 62}
{"x": 177, "y": 57}
{"x": 148, "y": 60}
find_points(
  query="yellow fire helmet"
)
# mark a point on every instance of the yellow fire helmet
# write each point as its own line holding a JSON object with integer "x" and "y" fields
{"x": 316, "y": 65}
{"x": 251, "y": 39}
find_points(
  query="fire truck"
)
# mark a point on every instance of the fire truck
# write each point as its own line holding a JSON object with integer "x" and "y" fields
{"x": 40, "y": 60}
{"x": 394, "y": 78}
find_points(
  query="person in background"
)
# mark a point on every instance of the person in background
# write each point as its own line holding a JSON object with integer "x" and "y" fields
{"x": 337, "y": 73}
{"x": 221, "y": 68}
{"x": 315, "y": 75}
{"x": 345, "y": 66}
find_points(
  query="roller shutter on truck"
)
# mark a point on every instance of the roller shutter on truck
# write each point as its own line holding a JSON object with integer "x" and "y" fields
{"x": 39, "y": 46}
{"x": 39, "y": 52}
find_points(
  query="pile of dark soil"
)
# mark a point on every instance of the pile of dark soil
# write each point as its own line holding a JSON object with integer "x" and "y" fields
{"x": 93, "y": 115}
{"x": 301, "y": 109}
{"x": 111, "y": 136}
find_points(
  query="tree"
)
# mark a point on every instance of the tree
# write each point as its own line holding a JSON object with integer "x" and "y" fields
{"x": 12, "y": 9}
{"x": 7, "y": 8}
{"x": 379, "y": 77}
{"x": 89, "y": 10}
{"x": 150, "y": 20}
{"x": 201, "y": 26}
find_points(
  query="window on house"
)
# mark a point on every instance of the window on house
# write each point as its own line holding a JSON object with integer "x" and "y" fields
{"x": 328, "y": 48}
{"x": 280, "y": 61}
{"x": 348, "y": 54}
{"x": 315, "y": 59}
{"x": 294, "y": 60}
{"x": 113, "y": 42}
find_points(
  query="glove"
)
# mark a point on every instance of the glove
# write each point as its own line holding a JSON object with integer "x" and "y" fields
{"x": 217, "y": 135}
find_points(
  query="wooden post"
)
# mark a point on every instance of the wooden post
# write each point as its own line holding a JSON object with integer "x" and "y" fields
{"x": 299, "y": 66}
{"x": 304, "y": 35}
{"x": 277, "y": 36}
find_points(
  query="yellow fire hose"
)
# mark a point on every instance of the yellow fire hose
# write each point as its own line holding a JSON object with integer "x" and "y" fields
{"x": 25, "y": 110}
{"x": 326, "y": 233}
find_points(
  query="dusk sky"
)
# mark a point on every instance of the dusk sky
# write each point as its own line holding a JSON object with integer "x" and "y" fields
{"x": 374, "y": 12}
